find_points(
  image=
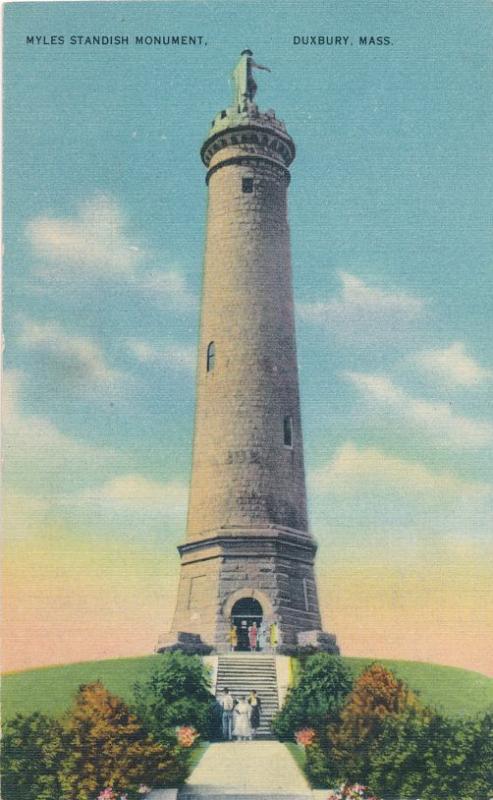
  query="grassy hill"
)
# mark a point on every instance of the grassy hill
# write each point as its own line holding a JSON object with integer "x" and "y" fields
{"x": 457, "y": 692}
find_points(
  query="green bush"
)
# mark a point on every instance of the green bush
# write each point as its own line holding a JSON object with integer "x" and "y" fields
{"x": 101, "y": 744}
{"x": 33, "y": 749}
{"x": 376, "y": 695}
{"x": 316, "y": 700}
{"x": 109, "y": 746}
{"x": 433, "y": 757}
{"x": 480, "y": 759}
{"x": 177, "y": 693}
{"x": 317, "y": 765}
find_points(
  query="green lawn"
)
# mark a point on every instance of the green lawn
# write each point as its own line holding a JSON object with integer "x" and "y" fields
{"x": 196, "y": 754}
{"x": 298, "y": 753}
{"x": 50, "y": 689}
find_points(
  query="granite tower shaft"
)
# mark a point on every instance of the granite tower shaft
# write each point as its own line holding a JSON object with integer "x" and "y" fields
{"x": 248, "y": 553}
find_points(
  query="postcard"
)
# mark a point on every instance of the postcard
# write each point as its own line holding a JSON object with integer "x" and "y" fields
{"x": 247, "y": 399}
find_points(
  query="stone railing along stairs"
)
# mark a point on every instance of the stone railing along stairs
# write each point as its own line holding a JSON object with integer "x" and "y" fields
{"x": 242, "y": 672}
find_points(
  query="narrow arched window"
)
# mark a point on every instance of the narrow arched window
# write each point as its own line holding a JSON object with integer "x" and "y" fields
{"x": 247, "y": 185}
{"x": 288, "y": 431}
{"x": 211, "y": 356}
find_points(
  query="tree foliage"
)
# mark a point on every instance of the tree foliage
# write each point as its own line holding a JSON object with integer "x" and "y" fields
{"x": 433, "y": 757}
{"x": 376, "y": 695}
{"x": 177, "y": 693}
{"x": 110, "y": 747}
{"x": 317, "y": 765}
{"x": 324, "y": 683}
{"x": 33, "y": 748}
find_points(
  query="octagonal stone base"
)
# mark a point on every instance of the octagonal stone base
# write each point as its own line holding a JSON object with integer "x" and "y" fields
{"x": 272, "y": 565}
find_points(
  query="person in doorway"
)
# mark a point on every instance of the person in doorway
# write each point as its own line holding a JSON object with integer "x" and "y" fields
{"x": 262, "y": 636}
{"x": 233, "y": 637}
{"x": 255, "y": 710}
{"x": 241, "y": 725}
{"x": 227, "y": 704}
{"x": 274, "y": 636}
{"x": 252, "y": 636}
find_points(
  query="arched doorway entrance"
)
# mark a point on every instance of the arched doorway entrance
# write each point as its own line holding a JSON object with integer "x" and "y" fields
{"x": 244, "y": 613}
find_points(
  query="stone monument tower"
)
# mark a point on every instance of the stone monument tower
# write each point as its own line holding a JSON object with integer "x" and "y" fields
{"x": 248, "y": 554}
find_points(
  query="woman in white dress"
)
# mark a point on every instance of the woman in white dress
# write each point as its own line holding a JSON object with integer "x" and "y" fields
{"x": 241, "y": 727}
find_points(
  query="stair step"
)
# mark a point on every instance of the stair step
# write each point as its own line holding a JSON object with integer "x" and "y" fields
{"x": 245, "y": 667}
{"x": 241, "y": 673}
{"x": 191, "y": 793}
{"x": 262, "y": 673}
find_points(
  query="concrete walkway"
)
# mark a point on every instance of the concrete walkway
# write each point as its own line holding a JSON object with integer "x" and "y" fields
{"x": 247, "y": 769}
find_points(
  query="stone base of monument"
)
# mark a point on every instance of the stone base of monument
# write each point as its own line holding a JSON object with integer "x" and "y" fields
{"x": 319, "y": 641}
{"x": 190, "y": 643}
{"x": 311, "y": 642}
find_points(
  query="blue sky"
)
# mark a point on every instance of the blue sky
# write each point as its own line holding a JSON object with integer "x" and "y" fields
{"x": 390, "y": 212}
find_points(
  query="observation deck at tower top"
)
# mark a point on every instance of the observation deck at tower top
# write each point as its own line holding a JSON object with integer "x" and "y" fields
{"x": 244, "y": 114}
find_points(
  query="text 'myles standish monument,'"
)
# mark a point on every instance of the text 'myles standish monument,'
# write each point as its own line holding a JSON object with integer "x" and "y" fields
{"x": 248, "y": 555}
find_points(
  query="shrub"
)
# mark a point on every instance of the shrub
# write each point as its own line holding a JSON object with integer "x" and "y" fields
{"x": 348, "y": 792}
{"x": 316, "y": 765}
{"x": 384, "y": 737}
{"x": 177, "y": 693}
{"x": 376, "y": 695}
{"x": 480, "y": 762}
{"x": 323, "y": 685}
{"x": 33, "y": 748}
{"x": 434, "y": 758}
{"x": 297, "y": 650}
{"x": 189, "y": 648}
{"x": 111, "y": 748}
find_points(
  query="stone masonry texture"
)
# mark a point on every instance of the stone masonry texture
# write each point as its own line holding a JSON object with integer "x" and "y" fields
{"x": 247, "y": 531}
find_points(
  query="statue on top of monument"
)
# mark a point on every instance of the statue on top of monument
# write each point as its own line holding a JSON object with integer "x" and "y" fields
{"x": 244, "y": 83}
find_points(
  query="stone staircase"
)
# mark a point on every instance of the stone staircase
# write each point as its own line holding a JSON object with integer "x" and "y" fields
{"x": 242, "y": 672}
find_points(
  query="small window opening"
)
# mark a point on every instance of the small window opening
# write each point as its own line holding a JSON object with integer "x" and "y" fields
{"x": 306, "y": 595}
{"x": 247, "y": 185}
{"x": 288, "y": 431}
{"x": 211, "y": 356}
{"x": 223, "y": 114}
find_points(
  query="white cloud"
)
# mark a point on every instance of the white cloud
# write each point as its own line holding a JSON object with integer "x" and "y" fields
{"x": 354, "y": 468}
{"x": 36, "y": 450}
{"x": 361, "y": 312}
{"x": 95, "y": 246}
{"x": 77, "y": 359}
{"x": 179, "y": 356}
{"x": 132, "y": 493}
{"x": 94, "y": 242}
{"x": 437, "y": 420}
{"x": 168, "y": 289}
{"x": 53, "y": 465}
{"x": 389, "y": 493}
{"x": 452, "y": 366}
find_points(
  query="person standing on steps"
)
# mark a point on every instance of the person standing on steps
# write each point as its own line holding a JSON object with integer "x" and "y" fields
{"x": 274, "y": 636}
{"x": 262, "y": 637}
{"x": 233, "y": 637}
{"x": 252, "y": 636}
{"x": 227, "y": 703}
{"x": 241, "y": 726}
{"x": 256, "y": 708}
